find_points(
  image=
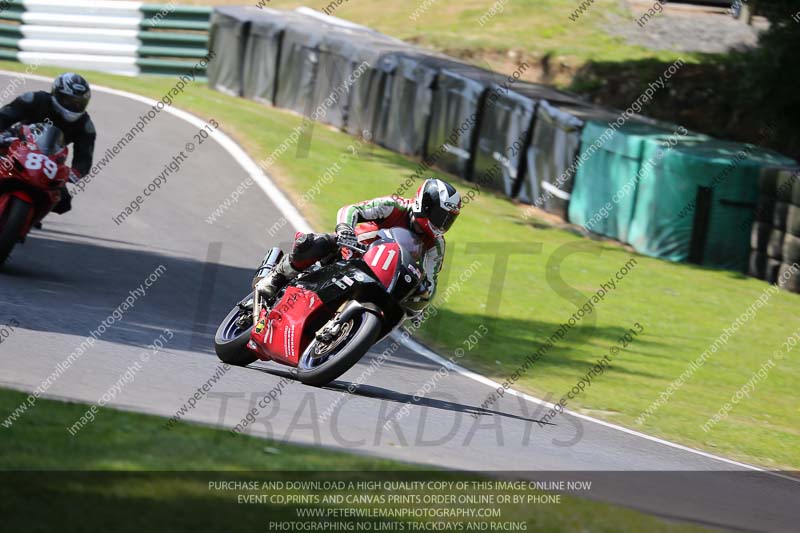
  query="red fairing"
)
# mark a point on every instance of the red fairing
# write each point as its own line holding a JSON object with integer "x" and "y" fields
{"x": 24, "y": 167}
{"x": 22, "y": 195}
{"x": 382, "y": 260}
{"x": 280, "y": 335}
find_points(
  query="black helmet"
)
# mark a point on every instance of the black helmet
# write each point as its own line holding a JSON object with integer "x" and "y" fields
{"x": 71, "y": 95}
{"x": 436, "y": 206}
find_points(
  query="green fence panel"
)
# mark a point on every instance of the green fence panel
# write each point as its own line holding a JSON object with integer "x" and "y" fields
{"x": 172, "y": 17}
{"x": 169, "y": 38}
{"x": 173, "y": 38}
{"x": 169, "y": 67}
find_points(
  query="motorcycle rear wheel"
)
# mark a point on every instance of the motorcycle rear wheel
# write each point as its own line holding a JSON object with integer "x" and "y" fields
{"x": 12, "y": 222}
{"x": 322, "y": 363}
{"x": 230, "y": 341}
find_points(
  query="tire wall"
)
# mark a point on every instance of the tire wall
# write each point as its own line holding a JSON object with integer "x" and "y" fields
{"x": 407, "y": 106}
{"x": 775, "y": 232}
{"x": 606, "y": 184}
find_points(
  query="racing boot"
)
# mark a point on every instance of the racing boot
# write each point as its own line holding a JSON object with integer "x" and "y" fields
{"x": 278, "y": 277}
{"x": 64, "y": 204}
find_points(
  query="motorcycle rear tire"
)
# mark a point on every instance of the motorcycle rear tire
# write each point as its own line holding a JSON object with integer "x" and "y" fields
{"x": 12, "y": 222}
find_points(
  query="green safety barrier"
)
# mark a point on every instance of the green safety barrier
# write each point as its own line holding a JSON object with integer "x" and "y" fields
{"x": 165, "y": 51}
{"x": 174, "y": 39}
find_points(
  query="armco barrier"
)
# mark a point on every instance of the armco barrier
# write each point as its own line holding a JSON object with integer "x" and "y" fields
{"x": 111, "y": 36}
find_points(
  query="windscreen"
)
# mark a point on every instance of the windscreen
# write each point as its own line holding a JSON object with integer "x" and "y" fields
{"x": 49, "y": 139}
{"x": 408, "y": 241}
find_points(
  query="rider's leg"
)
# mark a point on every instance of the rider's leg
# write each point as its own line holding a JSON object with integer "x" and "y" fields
{"x": 308, "y": 248}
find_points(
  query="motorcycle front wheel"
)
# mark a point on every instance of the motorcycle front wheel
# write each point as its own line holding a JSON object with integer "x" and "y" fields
{"x": 230, "y": 341}
{"x": 323, "y": 362}
{"x": 12, "y": 222}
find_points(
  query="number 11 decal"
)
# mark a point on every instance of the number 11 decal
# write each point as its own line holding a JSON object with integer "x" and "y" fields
{"x": 378, "y": 255}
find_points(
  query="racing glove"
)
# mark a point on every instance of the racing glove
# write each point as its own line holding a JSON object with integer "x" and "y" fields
{"x": 346, "y": 237}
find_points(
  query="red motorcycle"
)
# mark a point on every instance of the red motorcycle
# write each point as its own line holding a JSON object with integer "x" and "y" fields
{"x": 327, "y": 318}
{"x": 32, "y": 171}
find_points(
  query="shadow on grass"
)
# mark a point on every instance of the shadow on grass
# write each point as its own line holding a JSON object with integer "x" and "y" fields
{"x": 514, "y": 339}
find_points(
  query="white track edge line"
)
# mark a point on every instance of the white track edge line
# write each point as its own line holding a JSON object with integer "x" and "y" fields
{"x": 433, "y": 356}
{"x": 293, "y": 216}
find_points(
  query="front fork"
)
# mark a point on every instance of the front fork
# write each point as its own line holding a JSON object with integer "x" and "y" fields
{"x": 347, "y": 310}
{"x": 256, "y": 307}
{"x": 271, "y": 259}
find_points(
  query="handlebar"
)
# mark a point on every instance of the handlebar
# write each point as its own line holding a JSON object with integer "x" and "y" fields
{"x": 360, "y": 249}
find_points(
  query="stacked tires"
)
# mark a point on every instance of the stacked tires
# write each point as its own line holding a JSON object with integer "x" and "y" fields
{"x": 775, "y": 237}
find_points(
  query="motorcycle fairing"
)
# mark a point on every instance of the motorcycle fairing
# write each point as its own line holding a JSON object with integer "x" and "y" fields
{"x": 282, "y": 333}
{"x": 333, "y": 284}
{"x": 41, "y": 183}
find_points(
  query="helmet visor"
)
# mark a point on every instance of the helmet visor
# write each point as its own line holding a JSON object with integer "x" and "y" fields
{"x": 441, "y": 219}
{"x": 76, "y": 104}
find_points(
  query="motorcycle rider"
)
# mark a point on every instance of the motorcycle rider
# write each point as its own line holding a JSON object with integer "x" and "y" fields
{"x": 65, "y": 108}
{"x": 429, "y": 215}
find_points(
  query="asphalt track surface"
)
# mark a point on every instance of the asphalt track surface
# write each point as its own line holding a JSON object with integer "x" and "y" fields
{"x": 68, "y": 278}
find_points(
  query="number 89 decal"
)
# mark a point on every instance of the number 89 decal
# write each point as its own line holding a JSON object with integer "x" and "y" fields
{"x": 42, "y": 162}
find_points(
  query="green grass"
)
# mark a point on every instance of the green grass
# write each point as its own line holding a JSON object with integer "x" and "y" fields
{"x": 126, "y": 471}
{"x": 682, "y": 308}
{"x": 132, "y": 442}
{"x": 537, "y": 27}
